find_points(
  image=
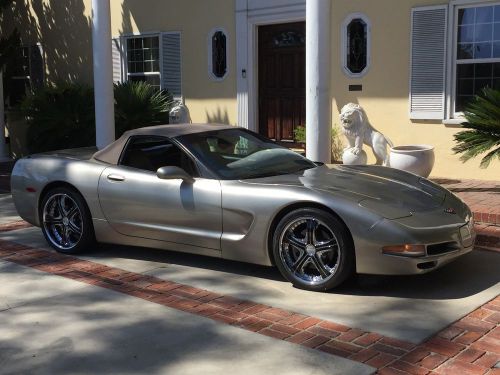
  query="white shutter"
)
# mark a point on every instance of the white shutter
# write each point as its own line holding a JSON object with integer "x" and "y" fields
{"x": 171, "y": 78}
{"x": 428, "y": 62}
{"x": 117, "y": 55}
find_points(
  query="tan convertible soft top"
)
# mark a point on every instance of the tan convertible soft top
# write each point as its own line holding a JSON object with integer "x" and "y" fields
{"x": 111, "y": 153}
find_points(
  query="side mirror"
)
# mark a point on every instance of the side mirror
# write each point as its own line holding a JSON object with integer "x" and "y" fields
{"x": 173, "y": 173}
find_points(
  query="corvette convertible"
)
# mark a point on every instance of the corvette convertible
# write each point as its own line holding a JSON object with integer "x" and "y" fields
{"x": 227, "y": 192}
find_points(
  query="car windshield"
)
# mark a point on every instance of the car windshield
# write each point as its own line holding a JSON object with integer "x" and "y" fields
{"x": 238, "y": 154}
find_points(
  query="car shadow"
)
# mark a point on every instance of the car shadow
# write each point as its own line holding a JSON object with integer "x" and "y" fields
{"x": 469, "y": 275}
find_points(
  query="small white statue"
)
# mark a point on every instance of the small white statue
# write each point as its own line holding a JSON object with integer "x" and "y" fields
{"x": 358, "y": 131}
{"x": 179, "y": 114}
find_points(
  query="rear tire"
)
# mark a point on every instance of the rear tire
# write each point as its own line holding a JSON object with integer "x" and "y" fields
{"x": 313, "y": 249}
{"x": 66, "y": 221}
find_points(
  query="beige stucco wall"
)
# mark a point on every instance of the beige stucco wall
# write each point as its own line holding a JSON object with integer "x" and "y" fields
{"x": 386, "y": 85}
{"x": 64, "y": 29}
{"x": 207, "y": 100}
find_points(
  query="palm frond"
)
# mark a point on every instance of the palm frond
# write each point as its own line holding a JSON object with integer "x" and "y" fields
{"x": 140, "y": 104}
{"x": 483, "y": 119}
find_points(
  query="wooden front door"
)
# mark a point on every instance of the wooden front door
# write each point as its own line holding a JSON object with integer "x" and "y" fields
{"x": 282, "y": 78}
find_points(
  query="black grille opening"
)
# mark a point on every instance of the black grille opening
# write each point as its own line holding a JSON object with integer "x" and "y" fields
{"x": 442, "y": 248}
{"x": 426, "y": 265}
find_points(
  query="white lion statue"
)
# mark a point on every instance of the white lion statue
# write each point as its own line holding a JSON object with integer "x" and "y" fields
{"x": 179, "y": 114}
{"x": 358, "y": 131}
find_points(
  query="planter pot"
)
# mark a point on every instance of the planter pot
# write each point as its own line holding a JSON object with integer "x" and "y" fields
{"x": 417, "y": 159}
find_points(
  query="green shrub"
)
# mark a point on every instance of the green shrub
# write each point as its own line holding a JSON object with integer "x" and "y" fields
{"x": 337, "y": 146}
{"x": 300, "y": 134}
{"x": 59, "y": 116}
{"x": 62, "y": 115}
{"x": 139, "y": 104}
{"x": 483, "y": 120}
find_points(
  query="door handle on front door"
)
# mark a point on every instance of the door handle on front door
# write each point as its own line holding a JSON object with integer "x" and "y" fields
{"x": 115, "y": 177}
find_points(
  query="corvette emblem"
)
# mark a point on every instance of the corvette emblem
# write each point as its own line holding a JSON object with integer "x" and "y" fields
{"x": 450, "y": 210}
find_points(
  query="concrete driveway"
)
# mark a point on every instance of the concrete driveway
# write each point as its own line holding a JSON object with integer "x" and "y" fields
{"x": 53, "y": 326}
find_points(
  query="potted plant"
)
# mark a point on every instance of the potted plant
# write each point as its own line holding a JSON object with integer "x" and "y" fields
{"x": 336, "y": 145}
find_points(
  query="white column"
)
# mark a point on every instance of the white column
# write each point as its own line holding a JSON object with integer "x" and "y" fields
{"x": 4, "y": 152}
{"x": 241, "y": 63}
{"x": 318, "y": 103}
{"x": 103, "y": 73}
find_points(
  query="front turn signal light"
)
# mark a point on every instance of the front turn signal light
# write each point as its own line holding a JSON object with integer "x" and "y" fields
{"x": 405, "y": 250}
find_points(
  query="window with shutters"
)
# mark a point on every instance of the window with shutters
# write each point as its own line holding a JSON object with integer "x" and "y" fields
{"x": 143, "y": 60}
{"x": 154, "y": 58}
{"x": 217, "y": 58}
{"x": 477, "y": 51}
{"x": 355, "y": 45}
{"x": 26, "y": 72}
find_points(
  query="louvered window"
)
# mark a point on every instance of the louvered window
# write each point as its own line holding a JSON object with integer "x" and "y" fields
{"x": 428, "y": 61}
{"x": 477, "y": 51}
{"x": 171, "y": 79}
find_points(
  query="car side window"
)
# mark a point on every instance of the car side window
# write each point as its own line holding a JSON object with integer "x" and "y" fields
{"x": 150, "y": 153}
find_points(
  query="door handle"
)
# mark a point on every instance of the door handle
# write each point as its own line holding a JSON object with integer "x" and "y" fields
{"x": 115, "y": 177}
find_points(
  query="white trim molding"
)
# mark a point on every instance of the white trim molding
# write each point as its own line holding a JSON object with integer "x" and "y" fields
{"x": 249, "y": 15}
{"x": 211, "y": 74}
{"x": 452, "y": 60}
{"x": 343, "y": 44}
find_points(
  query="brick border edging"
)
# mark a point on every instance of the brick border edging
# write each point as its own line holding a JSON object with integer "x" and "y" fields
{"x": 486, "y": 218}
{"x": 488, "y": 236}
{"x": 470, "y": 344}
{"x": 14, "y": 225}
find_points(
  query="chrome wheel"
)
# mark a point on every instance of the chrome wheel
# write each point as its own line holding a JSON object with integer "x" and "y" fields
{"x": 309, "y": 250}
{"x": 62, "y": 221}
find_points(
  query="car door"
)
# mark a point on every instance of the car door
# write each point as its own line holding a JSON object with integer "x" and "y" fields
{"x": 138, "y": 203}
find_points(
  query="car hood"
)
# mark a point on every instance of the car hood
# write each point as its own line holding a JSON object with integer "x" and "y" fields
{"x": 390, "y": 192}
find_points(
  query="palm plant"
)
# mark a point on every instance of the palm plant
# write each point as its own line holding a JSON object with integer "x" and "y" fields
{"x": 483, "y": 119}
{"x": 139, "y": 104}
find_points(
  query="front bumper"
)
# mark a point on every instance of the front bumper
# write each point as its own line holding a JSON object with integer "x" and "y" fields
{"x": 445, "y": 236}
{"x": 399, "y": 265}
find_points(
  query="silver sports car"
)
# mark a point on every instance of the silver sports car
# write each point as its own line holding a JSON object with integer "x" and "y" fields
{"x": 227, "y": 192}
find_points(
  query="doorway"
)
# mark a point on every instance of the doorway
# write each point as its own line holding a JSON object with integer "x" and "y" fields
{"x": 281, "y": 81}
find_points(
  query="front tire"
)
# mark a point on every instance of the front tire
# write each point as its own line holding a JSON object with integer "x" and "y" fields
{"x": 313, "y": 249}
{"x": 66, "y": 221}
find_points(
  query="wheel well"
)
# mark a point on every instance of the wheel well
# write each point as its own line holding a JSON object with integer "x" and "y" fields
{"x": 284, "y": 211}
{"x": 53, "y": 185}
